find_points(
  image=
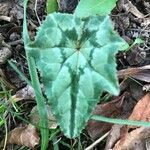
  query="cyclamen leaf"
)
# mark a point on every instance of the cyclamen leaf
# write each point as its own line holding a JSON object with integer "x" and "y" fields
{"x": 88, "y": 8}
{"x": 76, "y": 59}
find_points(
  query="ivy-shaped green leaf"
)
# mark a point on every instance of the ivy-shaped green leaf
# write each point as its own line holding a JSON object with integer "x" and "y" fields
{"x": 76, "y": 59}
{"x": 87, "y": 8}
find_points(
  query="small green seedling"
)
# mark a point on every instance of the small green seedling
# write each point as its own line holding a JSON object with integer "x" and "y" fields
{"x": 75, "y": 55}
{"x": 137, "y": 41}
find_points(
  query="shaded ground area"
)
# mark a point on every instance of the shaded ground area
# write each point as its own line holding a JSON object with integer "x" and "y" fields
{"x": 131, "y": 20}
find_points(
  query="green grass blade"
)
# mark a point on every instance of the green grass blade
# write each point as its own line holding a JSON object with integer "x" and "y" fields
{"x": 2, "y": 121}
{"x": 40, "y": 103}
{"x": 22, "y": 76}
{"x": 120, "y": 121}
{"x": 43, "y": 116}
{"x": 26, "y": 37}
{"x": 53, "y": 134}
{"x": 36, "y": 85}
{"x": 79, "y": 144}
{"x": 66, "y": 145}
{"x": 55, "y": 144}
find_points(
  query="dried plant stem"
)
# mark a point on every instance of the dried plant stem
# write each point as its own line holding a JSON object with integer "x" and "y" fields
{"x": 97, "y": 141}
{"x": 6, "y": 136}
{"x": 36, "y": 12}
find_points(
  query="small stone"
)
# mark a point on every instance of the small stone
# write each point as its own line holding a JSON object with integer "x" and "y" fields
{"x": 5, "y": 53}
{"x": 14, "y": 36}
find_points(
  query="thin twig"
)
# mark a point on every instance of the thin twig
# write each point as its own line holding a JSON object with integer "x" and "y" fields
{"x": 36, "y": 12}
{"x": 97, "y": 141}
{"x": 20, "y": 41}
{"x": 140, "y": 30}
{"x": 5, "y": 18}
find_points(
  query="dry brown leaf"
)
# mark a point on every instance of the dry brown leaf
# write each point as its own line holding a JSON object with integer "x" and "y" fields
{"x": 26, "y": 136}
{"x": 113, "y": 137}
{"x": 140, "y": 73}
{"x": 134, "y": 140}
{"x": 143, "y": 76}
{"x": 97, "y": 128}
{"x": 142, "y": 109}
